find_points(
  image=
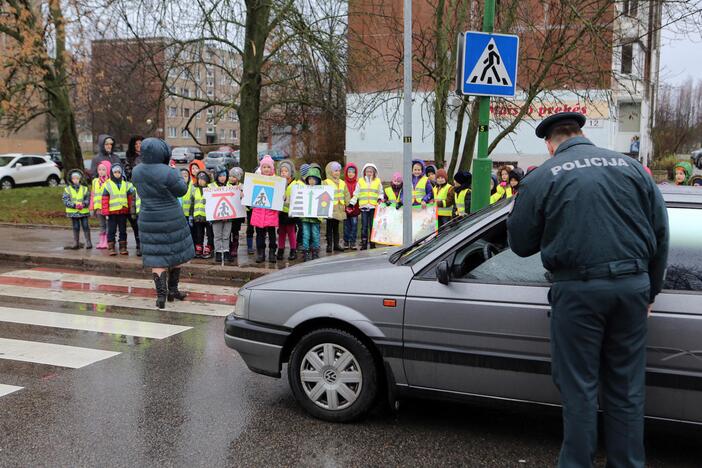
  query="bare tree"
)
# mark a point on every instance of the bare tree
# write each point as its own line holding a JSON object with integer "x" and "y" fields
{"x": 678, "y": 119}
{"x": 37, "y": 74}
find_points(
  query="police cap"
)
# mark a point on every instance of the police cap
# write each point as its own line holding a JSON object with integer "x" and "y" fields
{"x": 543, "y": 130}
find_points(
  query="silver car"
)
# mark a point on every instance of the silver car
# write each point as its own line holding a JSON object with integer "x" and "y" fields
{"x": 456, "y": 314}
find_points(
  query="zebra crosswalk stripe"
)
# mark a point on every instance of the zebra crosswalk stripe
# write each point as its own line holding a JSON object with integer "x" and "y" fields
{"x": 7, "y": 389}
{"x": 120, "y": 300}
{"x": 89, "y": 323}
{"x": 52, "y": 354}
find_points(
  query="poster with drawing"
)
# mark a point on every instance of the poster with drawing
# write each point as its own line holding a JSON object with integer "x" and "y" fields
{"x": 311, "y": 201}
{"x": 387, "y": 224}
{"x": 264, "y": 191}
{"x": 223, "y": 203}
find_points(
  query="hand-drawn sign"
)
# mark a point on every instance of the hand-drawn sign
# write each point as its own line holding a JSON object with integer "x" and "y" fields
{"x": 223, "y": 203}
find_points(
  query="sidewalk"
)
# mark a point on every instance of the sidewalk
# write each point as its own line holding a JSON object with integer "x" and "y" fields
{"x": 38, "y": 245}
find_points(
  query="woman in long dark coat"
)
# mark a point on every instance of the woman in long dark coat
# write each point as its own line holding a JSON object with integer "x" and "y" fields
{"x": 166, "y": 242}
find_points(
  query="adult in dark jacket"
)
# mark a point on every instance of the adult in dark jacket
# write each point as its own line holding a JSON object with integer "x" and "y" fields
{"x": 601, "y": 226}
{"x": 166, "y": 242}
{"x": 133, "y": 154}
{"x": 105, "y": 145}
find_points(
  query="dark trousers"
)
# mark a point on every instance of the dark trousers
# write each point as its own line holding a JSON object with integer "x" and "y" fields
{"x": 350, "y": 229}
{"x": 261, "y": 234}
{"x": 366, "y": 224}
{"x": 200, "y": 229}
{"x": 115, "y": 222}
{"x": 79, "y": 223}
{"x": 598, "y": 343}
{"x": 249, "y": 227}
{"x": 298, "y": 226}
{"x": 333, "y": 232}
{"x": 134, "y": 223}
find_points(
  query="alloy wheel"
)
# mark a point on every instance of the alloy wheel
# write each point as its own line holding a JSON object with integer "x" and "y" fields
{"x": 331, "y": 376}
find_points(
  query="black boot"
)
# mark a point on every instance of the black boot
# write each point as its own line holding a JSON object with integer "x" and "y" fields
{"x": 315, "y": 254}
{"x": 364, "y": 245}
{"x": 173, "y": 280}
{"x": 138, "y": 248}
{"x": 76, "y": 241}
{"x": 293, "y": 254}
{"x": 272, "y": 258}
{"x": 305, "y": 255}
{"x": 281, "y": 254}
{"x": 218, "y": 257}
{"x": 88, "y": 241}
{"x": 330, "y": 247}
{"x": 161, "y": 283}
{"x": 260, "y": 255}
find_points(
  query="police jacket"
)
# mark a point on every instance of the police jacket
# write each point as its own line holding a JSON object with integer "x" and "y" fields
{"x": 588, "y": 208}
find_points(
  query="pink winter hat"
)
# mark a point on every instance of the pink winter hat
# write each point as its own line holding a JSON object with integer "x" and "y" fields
{"x": 267, "y": 161}
{"x": 396, "y": 178}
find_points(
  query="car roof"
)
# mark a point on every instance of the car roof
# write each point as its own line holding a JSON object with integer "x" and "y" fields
{"x": 677, "y": 194}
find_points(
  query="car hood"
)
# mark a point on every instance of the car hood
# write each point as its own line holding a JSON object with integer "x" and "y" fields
{"x": 367, "y": 272}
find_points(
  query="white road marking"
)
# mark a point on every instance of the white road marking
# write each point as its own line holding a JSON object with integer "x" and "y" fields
{"x": 112, "y": 281}
{"x": 120, "y": 300}
{"x": 52, "y": 354}
{"x": 89, "y": 323}
{"x": 7, "y": 389}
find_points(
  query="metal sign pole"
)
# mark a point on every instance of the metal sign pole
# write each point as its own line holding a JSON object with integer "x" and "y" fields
{"x": 407, "y": 128}
{"x": 482, "y": 166}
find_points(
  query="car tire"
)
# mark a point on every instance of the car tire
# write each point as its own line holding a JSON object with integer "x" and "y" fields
{"x": 7, "y": 183}
{"x": 53, "y": 181}
{"x": 353, "y": 399}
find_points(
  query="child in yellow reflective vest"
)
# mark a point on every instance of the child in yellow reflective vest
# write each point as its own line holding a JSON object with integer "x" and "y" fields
{"x": 98, "y": 187}
{"x": 76, "y": 198}
{"x": 117, "y": 201}
{"x": 444, "y": 197}
{"x": 462, "y": 182}
{"x": 333, "y": 171}
{"x": 200, "y": 224}
{"x": 236, "y": 175}
{"x": 286, "y": 224}
{"x": 369, "y": 192}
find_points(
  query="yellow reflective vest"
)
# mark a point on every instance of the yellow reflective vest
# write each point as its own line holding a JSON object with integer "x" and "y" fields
{"x": 198, "y": 203}
{"x": 137, "y": 200}
{"x": 502, "y": 192}
{"x": 186, "y": 201}
{"x": 118, "y": 195}
{"x": 420, "y": 190}
{"x": 288, "y": 194}
{"x": 98, "y": 189}
{"x": 339, "y": 191}
{"x": 368, "y": 193}
{"x": 390, "y": 194}
{"x": 440, "y": 195}
{"x": 77, "y": 196}
{"x": 461, "y": 207}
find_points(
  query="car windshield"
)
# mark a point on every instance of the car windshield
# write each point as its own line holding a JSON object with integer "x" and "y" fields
{"x": 448, "y": 231}
{"x": 5, "y": 160}
{"x": 215, "y": 155}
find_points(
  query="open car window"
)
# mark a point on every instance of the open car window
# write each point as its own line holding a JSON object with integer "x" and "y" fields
{"x": 508, "y": 267}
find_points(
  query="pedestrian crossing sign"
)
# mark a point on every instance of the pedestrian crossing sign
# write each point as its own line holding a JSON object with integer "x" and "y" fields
{"x": 487, "y": 64}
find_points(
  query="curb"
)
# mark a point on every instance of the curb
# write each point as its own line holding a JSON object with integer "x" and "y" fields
{"x": 237, "y": 274}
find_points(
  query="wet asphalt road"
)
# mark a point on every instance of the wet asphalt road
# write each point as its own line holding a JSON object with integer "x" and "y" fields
{"x": 188, "y": 400}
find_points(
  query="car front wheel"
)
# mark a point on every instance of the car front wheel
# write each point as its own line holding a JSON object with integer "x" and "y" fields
{"x": 333, "y": 376}
{"x": 6, "y": 183}
{"x": 53, "y": 181}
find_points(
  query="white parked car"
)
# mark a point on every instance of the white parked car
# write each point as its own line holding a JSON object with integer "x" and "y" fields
{"x": 27, "y": 169}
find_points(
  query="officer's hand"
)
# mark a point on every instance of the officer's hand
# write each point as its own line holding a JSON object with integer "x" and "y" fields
{"x": 650, "y": 310}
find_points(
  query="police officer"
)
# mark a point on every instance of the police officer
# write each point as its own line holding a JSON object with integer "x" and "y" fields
{"x": 601, "y": 225}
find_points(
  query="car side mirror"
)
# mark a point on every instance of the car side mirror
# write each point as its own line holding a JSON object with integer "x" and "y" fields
{"x": 443, "y": 273}
{"x": 18, "y": 166}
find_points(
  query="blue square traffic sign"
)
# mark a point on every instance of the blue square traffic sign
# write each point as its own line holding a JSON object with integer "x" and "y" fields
{"x": 487, "y": 65}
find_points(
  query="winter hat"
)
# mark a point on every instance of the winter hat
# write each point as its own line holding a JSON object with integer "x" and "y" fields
{"x": 75, "y": 172}
{"x": 316, "y": 166}
{"x": 314, "y": 173}
{"x": 334, "y": 166}
{"x": 184, "y": 171}
{"x": 441, "y": 173}
{"x": 513, "y": 174}
{"x": 204, "y": 175}
{"x": 463, "y": 178}
{"x": 303, "y": 170}
{"x": 236, "y": 172}
{"x": 430, "y": 170}
{"x": 366, "y": 166}
{"x": 396, "y": 179}
{"x": 687, "y": 169}
{"x": 116, "y": 167}
{"x": 286, "y": 163}
{"x": 221, "y": 171}
{"x": 267, "y": 161}
{"x": 519, "y": 171}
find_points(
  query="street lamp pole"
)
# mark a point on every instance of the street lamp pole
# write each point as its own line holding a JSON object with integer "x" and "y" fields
{"x": 482, "y": 165}
{"x": 407, "y": 128}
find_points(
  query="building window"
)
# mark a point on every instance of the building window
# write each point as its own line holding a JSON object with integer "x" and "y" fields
{"x": 222, "y": 134}
{"x": 232, "y": 116}
{"x": 184, "y": 133}
{"x": 630, "y": 8}
{"x": 197, "y": 133}
{"x": 210, "y": 83}
{"x": 627, "y": 58}
{"x": 186, "y": 112}
{"x": 210, "y": 130}
{"x": 172, "y": 111}
{"x": 210, "y": 92}
{"x": 210, "y": 71}
{"x": 232, "y": 134}
{"x": 630, "y": 117}
{"x": 197, "y": 76}
{"x": 185, "y": 92}
{"x": 210, "y": 112}
{"x": 197, "y": 116}
{"x": 172, "y": 132}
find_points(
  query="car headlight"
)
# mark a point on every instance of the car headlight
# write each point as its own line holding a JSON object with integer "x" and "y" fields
{"x": 242, "y": 303}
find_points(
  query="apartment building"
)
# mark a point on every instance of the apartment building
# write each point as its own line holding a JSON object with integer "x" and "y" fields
{"x": 152, "y": 88}
{"x": 615, "y": 89}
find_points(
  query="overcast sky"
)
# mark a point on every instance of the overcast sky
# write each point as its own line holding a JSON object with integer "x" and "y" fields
{"x": 681, "y": 57}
